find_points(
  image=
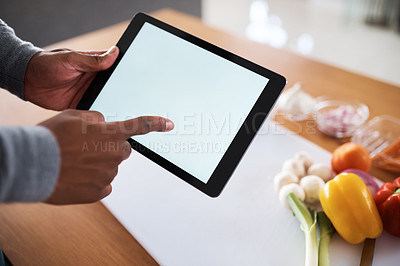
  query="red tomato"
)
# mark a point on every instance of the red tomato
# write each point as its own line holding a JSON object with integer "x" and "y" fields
{"x": 350, "y": 155}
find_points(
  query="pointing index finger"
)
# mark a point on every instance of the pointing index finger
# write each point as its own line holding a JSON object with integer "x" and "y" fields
{"x": 142, "y": 125}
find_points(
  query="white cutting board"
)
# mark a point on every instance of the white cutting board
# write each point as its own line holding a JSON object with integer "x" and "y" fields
{"x": 245, "y": 225}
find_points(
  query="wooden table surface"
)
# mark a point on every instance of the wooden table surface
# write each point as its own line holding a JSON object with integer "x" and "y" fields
{"x": 41, "y": 234}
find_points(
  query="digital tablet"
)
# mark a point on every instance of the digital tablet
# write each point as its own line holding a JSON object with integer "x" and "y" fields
{"x": 217, "y": 100}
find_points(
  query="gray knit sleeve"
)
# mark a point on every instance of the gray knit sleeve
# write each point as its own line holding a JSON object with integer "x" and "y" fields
{"x": 29, "y": 164}
{"x": 14, "y": 58}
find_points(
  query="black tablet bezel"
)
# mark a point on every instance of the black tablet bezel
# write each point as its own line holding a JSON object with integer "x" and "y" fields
{"x": 247, "y": 131}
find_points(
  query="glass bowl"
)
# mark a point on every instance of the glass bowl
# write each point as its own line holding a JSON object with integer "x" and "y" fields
{"x": 381, "y": 137}
{"x": 339, "y": 117}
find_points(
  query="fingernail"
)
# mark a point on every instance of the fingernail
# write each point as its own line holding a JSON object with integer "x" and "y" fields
{"x": 169, "y": 126}
{"x": 112, "y": 50}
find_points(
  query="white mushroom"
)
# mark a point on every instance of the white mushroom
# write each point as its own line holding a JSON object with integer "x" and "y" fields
{"x": 294, "y": 166}
{"x": 320, "y": 170}
{"x": 284, "y": 178}
{"x": 305, "y": 158}
{"x": 285, "y": 190}
{"x": 312, "y": 185}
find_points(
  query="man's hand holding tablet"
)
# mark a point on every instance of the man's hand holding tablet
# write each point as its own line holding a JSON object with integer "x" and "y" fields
{"x": 163, "y": 71}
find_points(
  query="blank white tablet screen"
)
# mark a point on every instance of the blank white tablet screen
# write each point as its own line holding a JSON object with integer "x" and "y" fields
{"x": 206, "y": 96}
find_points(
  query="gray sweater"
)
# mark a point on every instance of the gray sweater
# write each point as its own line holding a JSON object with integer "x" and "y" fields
{"x": 29, "y": 156}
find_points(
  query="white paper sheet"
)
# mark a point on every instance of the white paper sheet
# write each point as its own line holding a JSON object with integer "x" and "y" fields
{"x": 245, "y": 225}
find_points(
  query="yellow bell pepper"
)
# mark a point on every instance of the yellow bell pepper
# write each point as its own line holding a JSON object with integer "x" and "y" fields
{"x": 351, "y": 208}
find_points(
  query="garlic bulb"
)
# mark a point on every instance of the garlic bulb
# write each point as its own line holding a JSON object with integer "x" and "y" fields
{"x": 295, "y": 100}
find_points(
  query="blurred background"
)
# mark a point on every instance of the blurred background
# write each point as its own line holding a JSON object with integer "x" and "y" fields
{"x": 358, "y": 35}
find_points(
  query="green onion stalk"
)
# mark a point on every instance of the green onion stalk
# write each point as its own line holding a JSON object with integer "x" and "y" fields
{"x": 325, "y": 230}
{"x": 308, "y": 223}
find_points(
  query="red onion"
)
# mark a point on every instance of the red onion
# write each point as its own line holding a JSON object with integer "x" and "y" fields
{"x": 366, "y": 178}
